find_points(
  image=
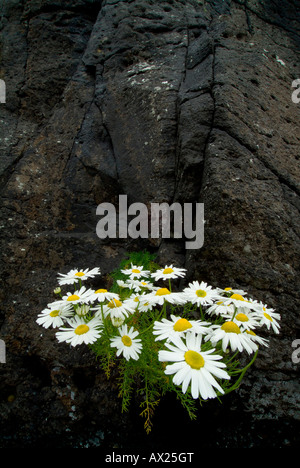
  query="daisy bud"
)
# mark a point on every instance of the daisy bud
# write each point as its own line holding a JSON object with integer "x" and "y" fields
{"x": 82, "y": 310}
{"x": 117, "y": 321}
{"x": 57, "y": 290}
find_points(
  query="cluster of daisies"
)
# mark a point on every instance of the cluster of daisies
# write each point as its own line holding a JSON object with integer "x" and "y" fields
{"x": 192, "y": 349}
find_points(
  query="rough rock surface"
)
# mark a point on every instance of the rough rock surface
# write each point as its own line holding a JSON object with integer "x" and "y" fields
{"x": 176, "y": 100}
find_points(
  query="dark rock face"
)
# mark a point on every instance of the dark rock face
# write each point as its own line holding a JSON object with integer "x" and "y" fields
{"x": 183, "y": 101}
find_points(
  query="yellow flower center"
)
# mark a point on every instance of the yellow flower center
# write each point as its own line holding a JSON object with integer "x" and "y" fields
{"x": 182, "y": 325}
{"x": 201, "y": 293}
{"x": 162, "y": 292}
{"x": 167, "y": 271}
{"x": 242, "y": 317}
{"x": 114, "y": 303}
{"x": 79, "y": 273}
{"x": 81, "y": 329}
{"x": 101, "y": 291}
{"x": 237, "y": 297}
{"x": 219, "y": 302}
{"x": 194, "y": 359}
{"x": 227, "y": 289}
{"x": 268, "y": 316}
{"x": 250, "y": 332}
{"x": 135, "y": 270}
{"x": 126, "y": 340}
{"x": 230, "y": 327}
{"x": 136, "y": 299}
{"x": 54, "y": 313}
{"x": 73, "y": 297}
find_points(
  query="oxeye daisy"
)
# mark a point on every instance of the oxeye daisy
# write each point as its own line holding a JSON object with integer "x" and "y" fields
{"x": 116, "y": 309}
{"x": 268, "y": 317}
{"x": 231, "y": 336}
{"x": 123, "y": 284}
{"x": 246, "y": 321}
{"x": 140, "y": 285}
{"x": 141, "y": 302}
{"x": 169, "y": 272}
{"x": 163, "y": 295}
{"x": 144, "y": 304}
{"x": 127, "y": 343}
{"x": 132, "y": 301}
{"x": 257, "y": 339}
{"x": 80, "y": 331}
{"x": 102, "y": 295}
{"x": 82, "y": 295}
{"x": 177, "y": 326}
{"x": 192, "y": 366}
{"x": 136, "y": 272}
{"x": 219, "y": 308}
{"x": 239, "y": 301}
{"x": 200, "y": 293}
{"x": 75, "y": 275}
{"x": 55, "y": 317}
{"x": 230, "y": 291}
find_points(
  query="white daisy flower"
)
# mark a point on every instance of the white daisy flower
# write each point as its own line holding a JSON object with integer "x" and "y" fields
{"x": 55, "y": 317}
{"x": 257, "y": 339}
{"x": 140, "y": 302}
{"x": 193, "y": 366}
{"x": 163, "y": 294}
{"x": 102, "y": 295}
{"x": 136, "y": 272}
{"x": 144, "y": 305}
{"x": 169, "y": 272}
{"x": 268, "y": 317}
{"x": 232, "y": 291}
{"x": 116, "y": 309}
{"x": 82, "y": 295}
{"x": 132, "y": 301}
{"x": 177, "y": 326}
{"x": 231, "y": 336}
{"x": 219, "y": 308}
{"x": 246, "y": 321}
{"x": 122, "y": 284}
{"x": 75, "y": 275}
{"x": 239, "y": 301}
{"x": 201, "y": 293}
{"x": 137, "y": 285}
{"x": 127, "y": 343}
{"x": 80, "y": 331}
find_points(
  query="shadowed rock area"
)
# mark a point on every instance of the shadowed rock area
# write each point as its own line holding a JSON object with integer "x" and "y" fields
{"x": 170, "y": 101}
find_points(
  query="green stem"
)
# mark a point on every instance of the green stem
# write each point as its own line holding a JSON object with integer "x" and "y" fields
{"x": 202, "y": 314}
{"x": 242, "y": 371}
{"x": 104, "y": 323}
